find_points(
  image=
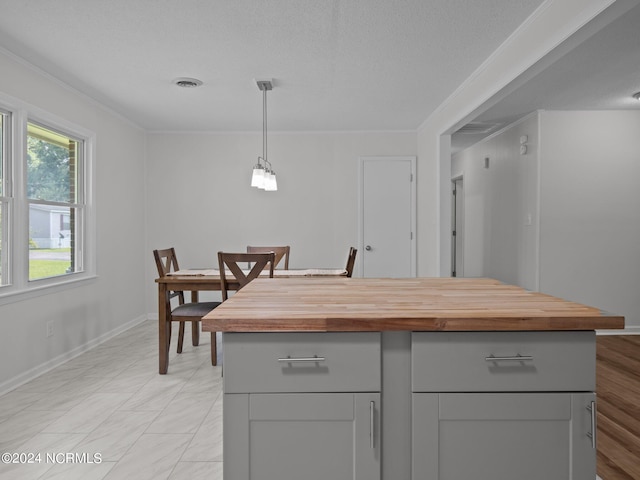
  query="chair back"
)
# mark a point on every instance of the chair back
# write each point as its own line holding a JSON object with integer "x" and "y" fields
{"x": 280, "y": 253}
{"x": 231, "y": 260}
{"x": 167, "y": 262}
{"x": 351, "y": 261}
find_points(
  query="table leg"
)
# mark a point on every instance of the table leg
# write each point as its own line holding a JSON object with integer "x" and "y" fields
{"x": 163, "y": 334}
{"x": 195, "y": 325}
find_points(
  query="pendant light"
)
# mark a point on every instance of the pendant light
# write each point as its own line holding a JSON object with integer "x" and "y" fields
{"x": 263, "y": 176}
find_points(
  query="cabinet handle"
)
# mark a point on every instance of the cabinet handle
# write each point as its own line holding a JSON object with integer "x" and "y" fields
{"x": 302, "y": 359}
{"x": 592, "y": 434}
{"x": 372, "y": 417}
{"x": 516, "y": 358}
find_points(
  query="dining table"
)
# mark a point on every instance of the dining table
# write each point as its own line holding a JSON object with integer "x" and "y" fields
{"x": 208, "y": 279}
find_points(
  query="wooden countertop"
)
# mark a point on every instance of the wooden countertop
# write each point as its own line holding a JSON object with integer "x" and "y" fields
{"x": 418, "y": 304}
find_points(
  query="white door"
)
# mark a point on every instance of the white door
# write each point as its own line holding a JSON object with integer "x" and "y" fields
{"x": 387, "y": 217}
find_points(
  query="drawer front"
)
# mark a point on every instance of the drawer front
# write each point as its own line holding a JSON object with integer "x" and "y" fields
{"x": 301, "y": 362}
{"x": 502, "y": 361}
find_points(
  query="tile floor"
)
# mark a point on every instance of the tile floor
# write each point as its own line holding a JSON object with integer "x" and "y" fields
{"x": 112, "y": 402}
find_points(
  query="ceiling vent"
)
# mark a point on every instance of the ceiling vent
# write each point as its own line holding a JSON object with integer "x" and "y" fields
{"x": 478, "y": 127}
{"x": 187, "y": 82}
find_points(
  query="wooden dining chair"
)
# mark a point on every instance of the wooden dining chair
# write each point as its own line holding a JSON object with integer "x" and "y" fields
{"x": 230, "y": 261}
{"x": 167, "y": 262}
{"x": 351, "y": 261}
{"x": 280, "y": 253}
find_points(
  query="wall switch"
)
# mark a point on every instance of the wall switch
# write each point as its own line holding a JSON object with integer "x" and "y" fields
{"x": 50, "y": 328}
{"x": 529, "y": 220}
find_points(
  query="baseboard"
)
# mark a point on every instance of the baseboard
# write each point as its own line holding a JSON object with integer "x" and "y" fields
{"x": 628, "y": 330}
{"x": 29, "y": 375}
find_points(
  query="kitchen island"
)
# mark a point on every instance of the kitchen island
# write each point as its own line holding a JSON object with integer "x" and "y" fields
{"x": 422, "y": 378}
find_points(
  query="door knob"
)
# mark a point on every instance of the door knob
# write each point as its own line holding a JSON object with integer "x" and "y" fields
{"x": 368, "y": 248}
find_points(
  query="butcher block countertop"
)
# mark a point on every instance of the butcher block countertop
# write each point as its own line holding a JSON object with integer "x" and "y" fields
{"x": 416, "y": 304}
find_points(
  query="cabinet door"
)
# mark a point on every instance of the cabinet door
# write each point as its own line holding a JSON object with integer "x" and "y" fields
{"x": 484, "y": 436}
{"x": 302, "y": 436}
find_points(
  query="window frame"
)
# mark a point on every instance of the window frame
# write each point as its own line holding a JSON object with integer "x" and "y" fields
{"x": 5, "y": 197}
{"x": 17, "y": 257}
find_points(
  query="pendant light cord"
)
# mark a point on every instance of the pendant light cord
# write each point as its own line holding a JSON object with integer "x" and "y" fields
{"x": 264, "y": 124}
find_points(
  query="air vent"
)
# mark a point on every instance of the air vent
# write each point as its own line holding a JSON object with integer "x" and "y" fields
{"x": 478, "y": 127}
{"x": 187, "y": 82}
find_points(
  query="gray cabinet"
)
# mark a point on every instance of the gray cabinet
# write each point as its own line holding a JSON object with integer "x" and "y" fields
{"x": 484, "y": 436}
{"x": 302, "y": 406}
{"x": 503, "y": 405}
{"x": 409, "y": 405}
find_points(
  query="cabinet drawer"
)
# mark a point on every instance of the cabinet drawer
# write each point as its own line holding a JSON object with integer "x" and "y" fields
{"x": 286, "y": 362}
{"x": 502, "y": 361}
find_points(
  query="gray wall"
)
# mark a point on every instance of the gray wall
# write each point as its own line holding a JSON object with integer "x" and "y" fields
{"x": 590, "y": 209}
{"x": 113, "y": 301}
{"x": 579, "y": 173}
{"x": 200, "y": 201}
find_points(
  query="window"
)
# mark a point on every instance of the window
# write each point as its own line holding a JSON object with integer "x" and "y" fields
{"x": 55, "y": 202}
{"x": 4, "y": 197}
{"x": 47, "y": 226}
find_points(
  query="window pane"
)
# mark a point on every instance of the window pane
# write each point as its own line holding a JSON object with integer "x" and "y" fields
{"x": 52, "y": 181}
{"x": 51, "y": 243}
{"x": 51, "y": 165}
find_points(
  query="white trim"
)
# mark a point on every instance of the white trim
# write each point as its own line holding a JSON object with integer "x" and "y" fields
{"x": 280, "y": 132}
{"x": 460, "y": 232}
{"x": 19, "y": 285}
{"x": 581, "y": 17}
{"x": 628, "y": 330}
{"x": 45, "y": 286}
{"x": 45, "y": 367}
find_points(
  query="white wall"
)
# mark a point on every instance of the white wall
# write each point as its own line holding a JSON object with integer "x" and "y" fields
{"x": 500, "y": 204}
{"x": 199, "y": 199}
{"x": 588, "y": 246}
{"x": 547, "y": 28}
{"x": 84, "y": 314}
{"x": 590, "y": 209}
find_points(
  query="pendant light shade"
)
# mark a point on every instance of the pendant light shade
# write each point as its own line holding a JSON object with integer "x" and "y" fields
{"x": 257, "y": 179}
{"x": 270, "y": 184}
{"x": 263, "y": 176}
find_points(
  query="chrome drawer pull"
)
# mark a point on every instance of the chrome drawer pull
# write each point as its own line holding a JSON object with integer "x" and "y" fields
{"x": 372, "y": 417}
{"x": 517, "y": 358}
{"x": 302, "y": 359}
{"x": 592, "y": 434}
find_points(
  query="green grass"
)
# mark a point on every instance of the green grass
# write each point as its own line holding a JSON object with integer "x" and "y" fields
{"x": 43, "y": 268}
{"x": 47, "y": 268}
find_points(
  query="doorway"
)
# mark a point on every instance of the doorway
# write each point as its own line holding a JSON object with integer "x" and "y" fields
{"x": 457, "y": 227}
{"x": 387, "y": 217}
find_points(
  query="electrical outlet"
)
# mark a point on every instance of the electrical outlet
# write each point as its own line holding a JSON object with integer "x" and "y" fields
{"x": 50, "y": 328}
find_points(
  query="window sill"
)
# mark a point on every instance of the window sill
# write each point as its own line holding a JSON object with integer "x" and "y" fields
{"x": 39, "y": 290}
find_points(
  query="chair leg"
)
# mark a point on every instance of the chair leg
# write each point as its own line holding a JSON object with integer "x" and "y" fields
{"x": 214, "y": 349}
{"x": 180, "y": 337}
{"x": 195, "y": 333}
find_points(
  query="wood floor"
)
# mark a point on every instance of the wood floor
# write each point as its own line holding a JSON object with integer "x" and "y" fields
{"x": 618, "y": 395}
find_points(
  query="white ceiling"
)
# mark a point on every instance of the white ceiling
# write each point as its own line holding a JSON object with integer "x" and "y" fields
{"x": 336, "y": 64}
{"x": 597, "y": 69}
